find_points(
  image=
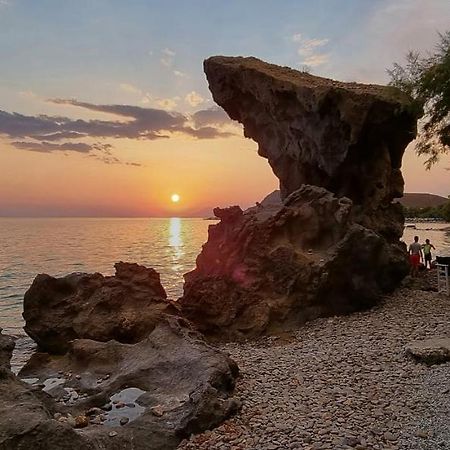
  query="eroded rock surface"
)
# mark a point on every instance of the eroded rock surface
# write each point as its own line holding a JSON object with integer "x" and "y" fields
{"x": 333, "y": 245}
{"x": 147, "y": 395}
{"x": 125, "y": 307}
{"x": 346, "y": 137}
{"x": 25, "y": 422}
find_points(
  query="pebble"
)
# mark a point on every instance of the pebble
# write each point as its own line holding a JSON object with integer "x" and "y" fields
{"x": 112, "y": 433}
{"x": 81, "y": 422}
{"x": 157, "y": 410}
{"x": 342, "y": 383}
{"x": 124, "y": 420}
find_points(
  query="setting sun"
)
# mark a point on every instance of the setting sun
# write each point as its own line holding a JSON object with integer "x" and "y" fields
{"x": 175, "y": 198}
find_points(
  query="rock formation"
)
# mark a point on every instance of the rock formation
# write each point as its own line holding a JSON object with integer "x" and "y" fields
{"x": 147, "y": 395}
{"x": 133, "y": 374}
{"x": 333, "y": 245}
{"x": 25, "y": 422}
{"x": 124, "y": 307}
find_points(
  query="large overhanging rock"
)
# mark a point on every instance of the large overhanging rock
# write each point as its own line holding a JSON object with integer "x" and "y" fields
{"x": 333, "y": 245}
{"x": 125, "y": 307}
{"x": 346, "y": 137}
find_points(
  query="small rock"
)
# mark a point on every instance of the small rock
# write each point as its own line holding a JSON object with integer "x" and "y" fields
{"x": 124, "y": 420}
{"x": 390, "y": 436}
{"x": 107, "y": 407}
{"x": 120, "y": 405}
{"x": 112, "y": 433}
{"x": 57, "y": 416}
{"x": 81, "y": 422}
{"x": 78, "y": 377}
{"x": 94, "y": 411}
{"x": 157, "y": 410}
{"x": 422, "y": 434}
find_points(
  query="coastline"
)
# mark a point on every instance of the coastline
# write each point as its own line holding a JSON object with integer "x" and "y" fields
{"x": 343, "y": 382}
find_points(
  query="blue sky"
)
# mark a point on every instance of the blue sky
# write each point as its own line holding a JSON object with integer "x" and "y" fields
{"x": 96, "y": 65}
{"x": 89, "y": 49}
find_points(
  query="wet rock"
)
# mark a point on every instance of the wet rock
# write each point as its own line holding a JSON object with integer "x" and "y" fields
{"x": 124, "y": 307}
{"x": 124, "y": 420}
{"x": 81, "y": 422}
{"x": 430, "y": 351}
{"x": 26, "y": 422}
{"x": 172, "y": 369}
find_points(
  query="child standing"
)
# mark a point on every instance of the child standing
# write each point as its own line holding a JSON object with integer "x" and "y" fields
{"x": 427, "y": 253}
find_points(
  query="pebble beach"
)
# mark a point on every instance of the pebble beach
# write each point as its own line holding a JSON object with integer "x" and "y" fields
{"x": 343, "y": 383}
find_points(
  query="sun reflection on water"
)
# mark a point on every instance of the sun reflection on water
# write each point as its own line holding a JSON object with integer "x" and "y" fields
{"x": 175, "y": 237}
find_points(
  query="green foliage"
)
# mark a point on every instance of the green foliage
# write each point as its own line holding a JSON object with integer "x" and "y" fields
{"x": 432, "y": 212}
{"x": 427, "y": 81}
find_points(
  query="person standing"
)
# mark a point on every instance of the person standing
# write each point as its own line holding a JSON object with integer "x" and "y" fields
{"x": 427, "y": 253}
{"x": 415, "y": 256}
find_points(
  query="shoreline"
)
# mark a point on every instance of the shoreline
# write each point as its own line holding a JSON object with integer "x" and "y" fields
{"x": 342, "y": 382}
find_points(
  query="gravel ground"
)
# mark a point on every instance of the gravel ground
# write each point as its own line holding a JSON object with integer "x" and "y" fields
{"x": 343, "y": 383}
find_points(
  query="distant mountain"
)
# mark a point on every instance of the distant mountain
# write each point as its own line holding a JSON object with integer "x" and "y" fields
{"x": 421, "y": 200}
{"x": 273, "y": 198}
{"x": 409, "y": 199}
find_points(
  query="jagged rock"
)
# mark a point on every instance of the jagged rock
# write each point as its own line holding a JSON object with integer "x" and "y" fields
{"x": 172, "y": 371}
{"x": 124, "y": 307}
{"x": 332, "y": 245}
{"x": 25, "y": 422}
{"x": 346, "y": 137}
{"x": 430, "y": 351}
{"x": 280, "y": 266}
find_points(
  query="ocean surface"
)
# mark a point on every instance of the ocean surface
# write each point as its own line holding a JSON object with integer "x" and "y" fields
{"x": 59, "y": 246}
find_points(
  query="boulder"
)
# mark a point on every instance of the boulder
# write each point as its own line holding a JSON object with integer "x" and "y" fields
{"x": 430, "y": 351}
{"x": 332, "y": 244}
{"x": 125, "y": 307}
{"x": 148, "y": 395}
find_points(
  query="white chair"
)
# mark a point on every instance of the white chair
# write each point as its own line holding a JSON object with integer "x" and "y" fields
{"x": 443, "y": 282}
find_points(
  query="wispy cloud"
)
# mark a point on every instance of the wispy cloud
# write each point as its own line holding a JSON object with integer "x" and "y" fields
{"x": 167, "y": 57}
{"x": 179, "y": 74}
{"x": 194, "y": 99}
{"x": 130, "y": 88}
{"x": 310, "y": 50}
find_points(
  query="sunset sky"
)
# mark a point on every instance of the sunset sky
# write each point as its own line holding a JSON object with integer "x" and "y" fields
{"x": 105, "y": 110}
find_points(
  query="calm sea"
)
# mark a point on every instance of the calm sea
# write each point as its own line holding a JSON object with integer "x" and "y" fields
{"x": 61, "y": 246}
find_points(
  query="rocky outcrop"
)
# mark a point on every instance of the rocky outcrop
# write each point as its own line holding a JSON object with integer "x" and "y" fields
{"x": 147, "y": 395}
{"x": 333, "y": 245}
{"x": 25, "y": 421}
{"x": 280, "y": 266}
{"x": 346, "y": 137}
{"x": 124, "y": 307}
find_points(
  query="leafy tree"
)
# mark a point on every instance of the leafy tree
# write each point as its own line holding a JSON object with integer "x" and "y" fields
{"x": 427, "y": 80}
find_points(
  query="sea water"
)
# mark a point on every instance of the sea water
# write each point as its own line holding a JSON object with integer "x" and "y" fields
{"x": 58, "y": 246}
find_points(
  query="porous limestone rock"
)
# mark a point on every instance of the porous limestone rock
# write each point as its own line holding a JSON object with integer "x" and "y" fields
{"x": 124, "y": 307}
{"x": 147, "y": 395}
{"x": 279, "y": 266}
{"x": 332, "y": 246}
{"x": 346, "y": 137}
